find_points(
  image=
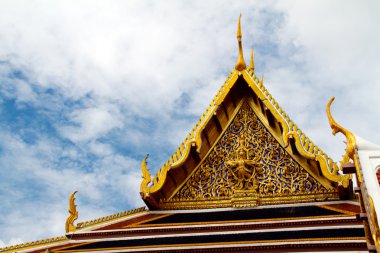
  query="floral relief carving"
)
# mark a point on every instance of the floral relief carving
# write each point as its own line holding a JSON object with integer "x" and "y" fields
{"x": 247, "y": 158}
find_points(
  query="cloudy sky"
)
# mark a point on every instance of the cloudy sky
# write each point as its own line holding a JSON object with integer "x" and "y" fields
{"x": 87, "y": 88}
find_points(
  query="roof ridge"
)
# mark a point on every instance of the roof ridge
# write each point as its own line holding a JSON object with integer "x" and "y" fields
{"x": 85, "y": 224}
{"x": 33, "y": 243}
{"x": 308, "y": 144}
{"x": 303, "y": 143}
{"x": 191, "y": 139}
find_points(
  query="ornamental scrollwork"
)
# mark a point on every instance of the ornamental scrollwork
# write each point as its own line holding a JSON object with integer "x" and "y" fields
{"x": 247, "y": 158}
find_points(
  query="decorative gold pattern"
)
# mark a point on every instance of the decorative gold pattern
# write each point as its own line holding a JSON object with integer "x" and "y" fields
{"x": 246, "y": 170}
{"x": 73, "y": 214}
{"x": 247, "y": 161}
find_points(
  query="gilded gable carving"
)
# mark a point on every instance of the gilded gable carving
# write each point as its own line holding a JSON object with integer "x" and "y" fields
{"x": 247, "y": 161}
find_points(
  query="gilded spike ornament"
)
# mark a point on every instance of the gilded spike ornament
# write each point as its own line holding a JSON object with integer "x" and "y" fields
{"x": 240, "y": 64}
{"x": 73, "y": 214}
{"x": 350, "y": 138}
{"x": 252, "y": 61}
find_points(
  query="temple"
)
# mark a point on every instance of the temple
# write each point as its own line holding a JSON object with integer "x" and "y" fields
{"x": 245, "y": 179}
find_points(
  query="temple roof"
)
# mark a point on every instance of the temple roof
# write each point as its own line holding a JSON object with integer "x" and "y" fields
{"x": 243, "y": 171}
{"x": 305, "y": 226}
{"x": 242, "y": 84}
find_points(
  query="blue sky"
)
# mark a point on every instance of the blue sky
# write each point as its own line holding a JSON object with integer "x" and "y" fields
{"x": 87, "y": 88}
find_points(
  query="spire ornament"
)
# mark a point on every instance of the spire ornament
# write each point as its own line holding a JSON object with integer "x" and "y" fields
{"x": 73, "y": 214}
{"x": 252, "y": 62}
{"x": 240, "y": 64}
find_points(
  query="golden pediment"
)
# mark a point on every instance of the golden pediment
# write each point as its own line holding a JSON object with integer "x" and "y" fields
{"x": 247, "y": 166}
{"x": 306, "y": 172}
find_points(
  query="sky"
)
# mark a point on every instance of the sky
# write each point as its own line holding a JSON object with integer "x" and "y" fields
{"x": 87, "y": 88}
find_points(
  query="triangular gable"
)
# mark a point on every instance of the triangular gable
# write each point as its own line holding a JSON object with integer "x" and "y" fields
{"x": 240, "y": 85}
{"x": 216, "y": 119}
{"x": 247, "y": 166}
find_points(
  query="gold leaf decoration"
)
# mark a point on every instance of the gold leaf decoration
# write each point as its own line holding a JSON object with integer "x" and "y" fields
{"x": 247, "y": 159}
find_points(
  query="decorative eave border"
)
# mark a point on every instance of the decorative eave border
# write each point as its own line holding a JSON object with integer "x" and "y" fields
{"x": 35, "y": 244}
{"x": 290, "y": 131}
{"x": 180, "y": 204}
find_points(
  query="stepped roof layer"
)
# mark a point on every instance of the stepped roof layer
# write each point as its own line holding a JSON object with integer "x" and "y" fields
{"x": 318, "y": 226}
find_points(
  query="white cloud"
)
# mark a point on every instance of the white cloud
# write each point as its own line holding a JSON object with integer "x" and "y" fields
{"x": 329, "y": 48}
{"x": 92, "y": 123}
{"x": 43, "y": 183}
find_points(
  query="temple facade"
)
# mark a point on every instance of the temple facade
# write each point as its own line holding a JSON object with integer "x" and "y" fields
{"x": 245, "y": 179}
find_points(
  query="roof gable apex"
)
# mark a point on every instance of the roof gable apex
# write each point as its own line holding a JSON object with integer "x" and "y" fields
{"x": 153, "y": 191}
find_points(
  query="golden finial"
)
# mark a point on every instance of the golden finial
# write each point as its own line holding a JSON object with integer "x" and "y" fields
{"x": 350, "y": 138}
{"x": 240, "y": 64}
{"x": 73, "y": 214}
{"x": 252, "y": 62}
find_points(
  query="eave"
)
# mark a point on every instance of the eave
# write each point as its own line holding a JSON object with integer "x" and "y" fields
{"x": 262, "y": 227}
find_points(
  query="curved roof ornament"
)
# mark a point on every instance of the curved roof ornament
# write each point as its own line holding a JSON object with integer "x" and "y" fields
{"x": 147, "y": 179}
{"x": 73, "y": 214}
{"x": 350, "y": 138}
{"x": 240, "y": 64}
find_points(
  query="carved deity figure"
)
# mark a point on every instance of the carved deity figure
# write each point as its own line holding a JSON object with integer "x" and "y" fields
{"x": 246, "y": 170}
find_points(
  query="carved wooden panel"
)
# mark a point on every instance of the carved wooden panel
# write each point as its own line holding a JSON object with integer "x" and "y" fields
{"x": 247, "y": 158}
